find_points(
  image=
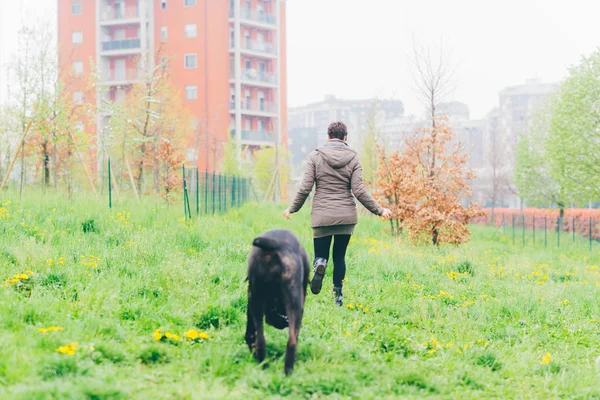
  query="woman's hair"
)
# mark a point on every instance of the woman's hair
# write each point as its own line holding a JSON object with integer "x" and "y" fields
{"x": 337, "y": 130}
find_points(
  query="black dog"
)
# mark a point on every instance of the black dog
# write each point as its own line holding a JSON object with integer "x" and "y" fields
{"x": 278, "y": 269}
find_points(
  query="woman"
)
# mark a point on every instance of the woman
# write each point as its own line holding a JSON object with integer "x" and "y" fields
{"x": 336, "y": 172}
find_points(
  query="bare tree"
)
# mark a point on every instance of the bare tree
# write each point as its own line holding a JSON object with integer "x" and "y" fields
{"x": 497, "y": 170}
{"x": 433, "y": 78}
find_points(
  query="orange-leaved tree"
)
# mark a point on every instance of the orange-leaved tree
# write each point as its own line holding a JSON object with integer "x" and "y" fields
{"x": 169, "y": 160}
{"x": 425, "y": 184}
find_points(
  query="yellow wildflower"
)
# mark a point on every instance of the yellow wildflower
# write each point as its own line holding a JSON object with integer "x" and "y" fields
{"x": 547, "y": 358}
{"x": 68, "y": 349}
{"x": 192, "y": 334}
{"x": 157, "y": 335}
{"x": 204, "y": 335}
{"x": 350, "y": 306}
{"x": 50, "y": 329}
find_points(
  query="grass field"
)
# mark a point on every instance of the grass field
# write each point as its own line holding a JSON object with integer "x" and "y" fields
{"x": 89, "y": 291}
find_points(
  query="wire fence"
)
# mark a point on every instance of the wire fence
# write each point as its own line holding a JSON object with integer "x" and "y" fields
{"x": 209, "y": 193}
{"x": 545, "y": 227}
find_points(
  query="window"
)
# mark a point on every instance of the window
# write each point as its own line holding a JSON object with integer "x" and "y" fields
{"x": 77, "y": 98}
{"x": 189, "y": 3}
{"x": 190, "y": 31}
{"x": 191, "y": 92}
{"x": 163, "y": 4}
{"x": 191, "y": 61}
{"x": 163, "y": 33}
{"x": 163, "y": 63}
{"x": 77, "y": 37}
{"x": 77, "y": 68}
{"x": 76, "y": 8}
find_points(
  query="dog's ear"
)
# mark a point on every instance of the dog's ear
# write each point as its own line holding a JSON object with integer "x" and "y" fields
{"x": 266, "y": 243}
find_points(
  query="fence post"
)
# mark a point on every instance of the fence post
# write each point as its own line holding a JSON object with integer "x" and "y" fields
{"x": 545, "y": 231}
{"x": 225, "y": 193}
{"x": 590, "y": 233}
{"x": 109, "y": 186}
{"x": 573, "y": 228}
{"x": 558, "y": 231}
{"x": 523, "y": 223}
{"x": 197, "y": 192}
{"x": 533, "y": 222}
{"x": 233, "y": 192}
{"x": 206, "y": 192}
{"x": 184, "y": 191}
{"x": 513, "y": 228}
{"x": 213, "y": 193}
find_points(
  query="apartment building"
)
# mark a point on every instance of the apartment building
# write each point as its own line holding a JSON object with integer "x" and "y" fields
{"x": 227, "y": 58}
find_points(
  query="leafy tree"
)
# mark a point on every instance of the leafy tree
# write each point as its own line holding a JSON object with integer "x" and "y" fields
{"x": 425, "y": 184}
{"x": 534, "y": 173}
{"x": 574, "y": 140}
{"x": 151, "y": 113}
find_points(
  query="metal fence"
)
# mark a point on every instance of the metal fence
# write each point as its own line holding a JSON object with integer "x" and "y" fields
{"x": 209, "y": 193}
{"x": 544, "y": 227}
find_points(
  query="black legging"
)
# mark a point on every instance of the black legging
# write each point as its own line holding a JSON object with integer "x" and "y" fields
{"x": 340, "y": 244}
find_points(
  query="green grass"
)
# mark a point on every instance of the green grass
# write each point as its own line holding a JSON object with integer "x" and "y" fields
{"x": 476, "y": 321}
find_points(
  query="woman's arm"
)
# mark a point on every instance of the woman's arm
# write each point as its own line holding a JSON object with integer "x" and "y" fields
{"x": 360, "y": 192}
{"x": 308, "y": 181}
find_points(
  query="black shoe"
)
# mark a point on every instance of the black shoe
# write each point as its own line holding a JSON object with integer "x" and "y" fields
{"x": 337, "y": 296}
{"x": 318, "y": 274}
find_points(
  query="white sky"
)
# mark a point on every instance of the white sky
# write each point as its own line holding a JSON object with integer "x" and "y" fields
{"x": 360, "y": 48}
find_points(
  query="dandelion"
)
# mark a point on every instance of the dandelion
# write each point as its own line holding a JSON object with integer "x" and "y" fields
{"x": 50, "y": 329}
{"x": 68, "y": 349}
{"x": 157, "y": 335}
{"x": 204, "y": 335}
{"x": 348, "y": 334}
{"x": 350, "y": 306}
{"x": 192, "y": 334}
{"x": 547, "y": 358}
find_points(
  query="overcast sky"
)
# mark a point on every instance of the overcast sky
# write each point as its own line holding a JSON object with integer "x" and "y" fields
{"x": 360, "y": 49}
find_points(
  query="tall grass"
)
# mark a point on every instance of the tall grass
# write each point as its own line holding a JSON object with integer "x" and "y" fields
{"x": 487, "y": 319}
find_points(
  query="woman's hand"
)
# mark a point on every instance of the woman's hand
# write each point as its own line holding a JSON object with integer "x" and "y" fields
{"x": 387, "y": 213}
{"x": 286, "y": 214}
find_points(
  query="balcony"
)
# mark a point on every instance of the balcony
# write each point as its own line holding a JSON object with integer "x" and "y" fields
{"x": 253, "y": 76}
{"x": 258, "y": 16}
{"x": 119, "y": 15}
{"x": 256, "y": 107}
{"x": 115, "y": 77}
{"x": 259, "y": 47}
{"x": 256, "y": 137}
{"x": 255, "y": 17}
{"x": 122, "y": 46}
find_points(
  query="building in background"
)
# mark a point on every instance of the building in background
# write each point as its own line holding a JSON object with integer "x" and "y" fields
{"x": 354, "y": 113}
{"x": 227, "y": 58}
{"x": 517, "y": 105}
{"x": 308, "y": 124}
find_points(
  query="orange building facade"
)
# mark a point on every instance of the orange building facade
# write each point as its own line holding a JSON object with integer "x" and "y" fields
{"x": 227, "y": 58}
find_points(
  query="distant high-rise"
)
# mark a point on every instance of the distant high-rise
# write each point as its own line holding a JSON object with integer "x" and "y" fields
{"x": 227, "y": 58}
{"x": 518, "y": 104}
{"x": 354, "y": 113}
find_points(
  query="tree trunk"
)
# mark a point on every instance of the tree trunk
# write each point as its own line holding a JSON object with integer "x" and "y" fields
{"x": 54, "y": 161}
{"x": 22, "y": 168}
{"x": 435, "y": 236}
{"x": 46, "y": 163}
{"x": 141, "y": 168}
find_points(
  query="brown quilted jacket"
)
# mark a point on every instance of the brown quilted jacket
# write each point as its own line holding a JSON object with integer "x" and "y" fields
{"x": 336, "y": 173}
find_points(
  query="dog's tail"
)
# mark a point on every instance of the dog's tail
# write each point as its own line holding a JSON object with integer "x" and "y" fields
{"x": 266, "y": 243}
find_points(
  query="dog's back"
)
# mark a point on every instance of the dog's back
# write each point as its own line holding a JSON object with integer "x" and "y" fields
{"x": 278, "y": 272}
